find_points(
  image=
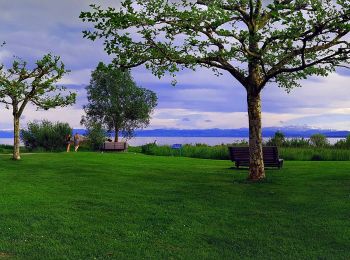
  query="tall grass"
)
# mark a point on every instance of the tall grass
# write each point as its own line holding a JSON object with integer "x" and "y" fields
{"x": 314, "y": 154}
{"x": 220, "y": 152}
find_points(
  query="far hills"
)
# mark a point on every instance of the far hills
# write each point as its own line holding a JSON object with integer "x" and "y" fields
{"x": 241, "y": 132}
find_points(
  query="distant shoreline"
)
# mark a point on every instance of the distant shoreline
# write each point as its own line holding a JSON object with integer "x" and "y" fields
{"x": 161, "y": 140}
{"x": 267, "y": 132}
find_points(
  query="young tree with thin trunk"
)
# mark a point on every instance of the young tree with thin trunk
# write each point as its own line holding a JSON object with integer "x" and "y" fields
{"x": 116, "y": 102}
{"x": 256, "y": 41}
{"x": 20, "y": 85}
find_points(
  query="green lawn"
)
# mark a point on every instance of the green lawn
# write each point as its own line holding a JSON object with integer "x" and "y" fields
{"x": 100, "y": 206}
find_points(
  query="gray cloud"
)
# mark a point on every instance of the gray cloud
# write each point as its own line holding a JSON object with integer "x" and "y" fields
{"x": 32, "y": 28}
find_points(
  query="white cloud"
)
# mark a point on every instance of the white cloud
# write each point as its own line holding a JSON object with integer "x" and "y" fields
{"x": 173, "y": 118}
{"x": 66, "y": 114}
{"x": 4, "y": 55}
{"x": 201, "y": 100}
{"x": 76, "y": 77}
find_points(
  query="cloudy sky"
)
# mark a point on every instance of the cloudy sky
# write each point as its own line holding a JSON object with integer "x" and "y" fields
{"x": 32, "y": 28}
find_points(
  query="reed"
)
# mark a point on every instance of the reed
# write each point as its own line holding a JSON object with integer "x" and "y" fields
{"x": 220, "y": 152}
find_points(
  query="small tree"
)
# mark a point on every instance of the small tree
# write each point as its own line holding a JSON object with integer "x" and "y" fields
{"x": 257, "y": 42}
{"x": 21, "y": 85}
{"x": 96, "y": 135}
{"x": 116, "y": 102}
{"x": 278, "y": 139}
{"x": 319, "y": 140}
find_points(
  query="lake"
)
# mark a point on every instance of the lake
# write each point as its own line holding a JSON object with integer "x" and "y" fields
{"x": 137, "y": 141}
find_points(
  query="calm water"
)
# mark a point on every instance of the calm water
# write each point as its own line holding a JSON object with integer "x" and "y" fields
{"x": 195, "y": 140}
{"x": 137, "y": 141}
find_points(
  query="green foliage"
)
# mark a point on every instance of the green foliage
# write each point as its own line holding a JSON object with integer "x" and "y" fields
{"x": 343, "y": 143}
{"x": 277, "y": 140}
{"x": 203, "y": 151}
{"x": 284, "y": 41}
{"x": 116, "y": 102}
{"x": 96, "y": 135}
{"x": 300, "y": 152}
{"x": 314, "y": 154}
{"x": 296, "y": 142}
{"x": 319, "y": 140}
{"x": 20, "y": 85}
{"x": 280, "y": 140}
{"x": 45, "y": 135}
{"x": 6, "y": 149}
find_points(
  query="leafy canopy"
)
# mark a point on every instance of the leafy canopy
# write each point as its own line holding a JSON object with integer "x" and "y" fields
{"x": 256, "y": 41}
{"x": 116, "y": 102}
{"x": 20, "y": 85}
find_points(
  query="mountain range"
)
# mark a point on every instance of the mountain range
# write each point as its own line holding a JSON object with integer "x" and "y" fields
{"x": 241, "y": 132}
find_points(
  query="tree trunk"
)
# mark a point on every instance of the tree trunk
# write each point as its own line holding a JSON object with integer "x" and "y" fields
{"x": 116, "y": 135}
{"x": 16, "y": 141}
{"x": 256, "y": 163}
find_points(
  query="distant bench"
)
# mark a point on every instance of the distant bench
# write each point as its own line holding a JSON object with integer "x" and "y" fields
{"x": 240, "y": 156}
{"x": 114, "y": 146}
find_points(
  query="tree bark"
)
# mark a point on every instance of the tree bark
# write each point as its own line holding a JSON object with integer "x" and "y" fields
{"x": 116, "y": 137}
{"x": 256, "y": 162}
{"x": 16, "y": 140}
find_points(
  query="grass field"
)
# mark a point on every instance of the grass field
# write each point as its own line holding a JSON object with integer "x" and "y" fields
{"x": 117, "y": 206}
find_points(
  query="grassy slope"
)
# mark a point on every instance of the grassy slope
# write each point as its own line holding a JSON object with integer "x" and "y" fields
{"x": 90, "y": 205}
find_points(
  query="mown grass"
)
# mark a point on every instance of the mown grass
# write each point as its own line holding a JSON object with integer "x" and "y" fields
{"x": 220, "y": 152}
{"x": 132, "y": 206}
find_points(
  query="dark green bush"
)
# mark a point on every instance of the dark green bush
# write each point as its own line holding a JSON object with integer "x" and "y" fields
{"x": 96, "y": 135}
{"x": 148, "y": 148}
{"x": 45, "y": 135}
{"x": 316, "y": 157}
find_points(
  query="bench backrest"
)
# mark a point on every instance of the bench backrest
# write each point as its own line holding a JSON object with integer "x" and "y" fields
{"x": 115, "y": 146}
{"x": 270, "y": 153}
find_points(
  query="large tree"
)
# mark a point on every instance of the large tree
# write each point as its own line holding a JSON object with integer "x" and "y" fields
{"x": 257, "y": 42}
{"x": 116, "y": 102}
{"x": 20, "y": 85}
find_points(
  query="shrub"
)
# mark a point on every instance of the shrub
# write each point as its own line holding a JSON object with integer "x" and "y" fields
{"x": 45, "y": 135}
{"x": 96, "y": 135}
{"x": 147, "y": 148}
{"x": 277, "y": 140}
{"x": 319, "y": 140}
{"x": 343, "y": 143}
{"x": 316, "y": 157}
{"x": 296, "y": 142}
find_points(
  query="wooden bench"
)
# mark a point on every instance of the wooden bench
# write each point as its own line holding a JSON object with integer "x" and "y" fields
{"x": 240, "y": 156}
{"x": 114, "y": 146}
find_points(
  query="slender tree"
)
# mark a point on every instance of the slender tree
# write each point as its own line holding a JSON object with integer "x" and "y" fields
{"x": 257, "y": 42}
{"x": 116, "y": 102}
{"x": 20, "y": 85}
